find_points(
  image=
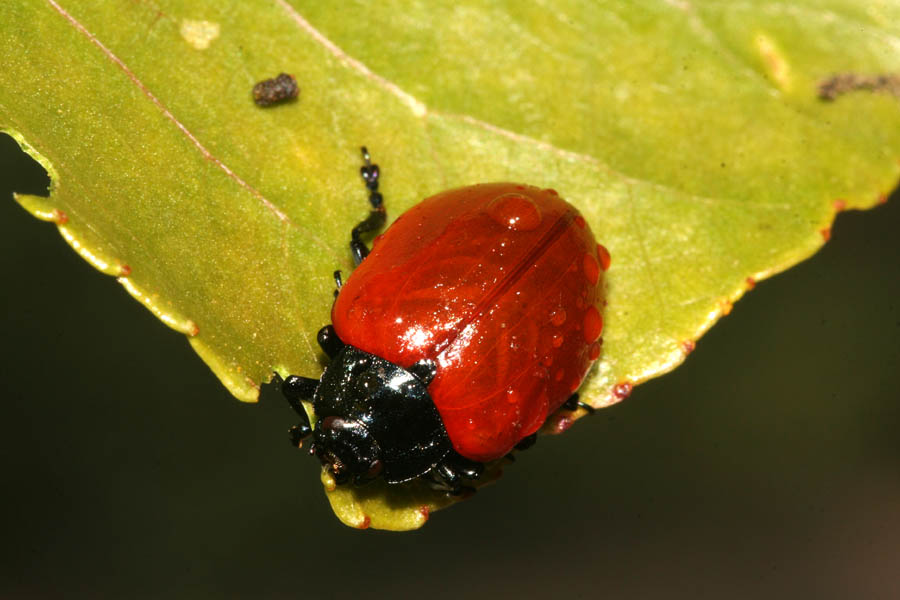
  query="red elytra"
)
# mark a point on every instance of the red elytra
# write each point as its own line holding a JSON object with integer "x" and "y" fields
{"x": 499, "y": 284}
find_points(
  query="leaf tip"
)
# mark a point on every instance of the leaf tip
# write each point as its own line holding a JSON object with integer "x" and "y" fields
{"x": 41, "y": 208}
{"x": 239, "y": 385}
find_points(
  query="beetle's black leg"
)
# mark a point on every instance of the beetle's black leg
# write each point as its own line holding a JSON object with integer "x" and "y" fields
{"x": 338, "y": 283}
{"x": 468, "y": 469}
{"x": 298, "y": 433}
{"x": 329, "y": 341}
{"x": 425, "y": 370}
{"x": 524, "y": 444}
{"x": 377, "y": 216}
{"x": 527, "y": 442}
{"x": 296, "y": 389}
{"x": 573, "y": 403}
{"x": 447, "y": 479}
{"x": 451, "y": 473}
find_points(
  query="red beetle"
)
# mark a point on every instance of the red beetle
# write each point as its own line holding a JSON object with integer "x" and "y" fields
{"x": 473, "y": 319}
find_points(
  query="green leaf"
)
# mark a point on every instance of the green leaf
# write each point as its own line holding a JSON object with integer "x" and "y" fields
{"x": 690, "y": 134}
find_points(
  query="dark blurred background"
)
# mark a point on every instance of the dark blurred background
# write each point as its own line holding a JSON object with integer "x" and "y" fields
{"x": 766, "y": 466}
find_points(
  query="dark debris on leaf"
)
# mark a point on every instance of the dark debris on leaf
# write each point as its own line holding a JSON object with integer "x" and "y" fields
{"x": 275, "y": 90}
{"x": 842, "y": 83}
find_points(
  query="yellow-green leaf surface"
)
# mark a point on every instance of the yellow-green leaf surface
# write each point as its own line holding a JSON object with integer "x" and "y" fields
{"x": 688, "y": 132}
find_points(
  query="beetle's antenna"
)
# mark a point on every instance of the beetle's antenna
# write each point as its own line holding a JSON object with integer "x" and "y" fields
{"x": 377, "y": 216}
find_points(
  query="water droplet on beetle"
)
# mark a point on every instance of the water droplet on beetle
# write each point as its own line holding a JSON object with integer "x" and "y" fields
{"x": 593, "y": 324}
{"x": 515, "y": 211}
{"x": 603, "y": 255}
{"x": 558, "y": 317}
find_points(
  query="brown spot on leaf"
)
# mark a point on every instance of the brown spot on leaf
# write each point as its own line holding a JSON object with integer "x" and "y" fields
{"x": 825, "y": 233}
{"x": 842, "y": 83}
{"x": 622, "y": 390}
{"x": 60, "y": 217}
{"x": 688, "y": 346}
{"x": 751, "y": 283}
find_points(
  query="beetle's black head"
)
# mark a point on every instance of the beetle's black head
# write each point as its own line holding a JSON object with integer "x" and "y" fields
{"x": 376, "y": 418}
{"x": 348, "y": 449}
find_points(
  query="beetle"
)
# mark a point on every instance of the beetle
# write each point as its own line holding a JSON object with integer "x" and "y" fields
{"x": 475, "y": 316}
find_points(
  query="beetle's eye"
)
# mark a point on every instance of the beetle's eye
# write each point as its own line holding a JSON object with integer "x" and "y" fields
{"x": 374, "y": 469}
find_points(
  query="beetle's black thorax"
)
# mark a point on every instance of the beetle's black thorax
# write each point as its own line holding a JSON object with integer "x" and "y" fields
{"x": 376, "y": 418}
